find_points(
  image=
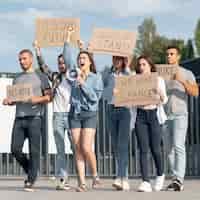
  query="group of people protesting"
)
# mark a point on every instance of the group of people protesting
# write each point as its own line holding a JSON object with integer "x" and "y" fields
{"x": 75, "y": 109}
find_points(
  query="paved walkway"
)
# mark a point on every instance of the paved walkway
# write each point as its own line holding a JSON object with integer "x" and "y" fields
{"x": 45, "y": 189}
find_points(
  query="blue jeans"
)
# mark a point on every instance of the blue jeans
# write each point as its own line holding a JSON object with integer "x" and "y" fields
{"x": 120, "y": 131}
{"x": 174, "y": 139}
{"x": 60, "y": 125}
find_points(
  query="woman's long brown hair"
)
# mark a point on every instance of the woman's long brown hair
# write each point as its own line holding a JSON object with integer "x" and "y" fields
{"x": 90, "y": 56}
{"x": 150, "y": 62}
{"x": 123, "y": 63}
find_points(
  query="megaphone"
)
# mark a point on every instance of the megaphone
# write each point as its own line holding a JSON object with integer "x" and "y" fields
{"x": 72, "y": 74}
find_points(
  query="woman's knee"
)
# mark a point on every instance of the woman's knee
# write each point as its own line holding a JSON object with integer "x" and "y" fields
{"x": 87, "y": 149}
{"x": 78, "y": 147}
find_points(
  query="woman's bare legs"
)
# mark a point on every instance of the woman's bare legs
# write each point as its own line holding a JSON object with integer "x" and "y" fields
{"x": 80, "y": 159}
{"x": 87, "y": 144}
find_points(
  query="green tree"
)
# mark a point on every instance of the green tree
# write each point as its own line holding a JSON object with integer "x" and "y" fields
{"x": 197, "y": 37}
{"x": 146, "y": 35}
{"x": 158, "y": 49}
{"x": 151, "y": 43}
{"x": 189, "y": 50}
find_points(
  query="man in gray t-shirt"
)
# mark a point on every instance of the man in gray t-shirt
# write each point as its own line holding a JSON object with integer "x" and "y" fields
{"x": 178, "y": 97}
{"x": 178, "y": 90}
{"x": 28, "y": 117}
{"x": 39, "y": 84}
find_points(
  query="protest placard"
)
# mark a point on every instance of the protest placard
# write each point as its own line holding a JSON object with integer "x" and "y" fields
{"x": 53, "y": 31}
{"x": 166, "y": 71}
{"x": 136, "y": 90}
{"x": 114, "y": 42}
{"x": 19, "y": 92}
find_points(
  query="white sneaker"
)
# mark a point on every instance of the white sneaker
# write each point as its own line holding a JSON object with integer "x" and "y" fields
{"x": 159, "y": 182}
{"x": 125, "y": 185}
{"x": 61, "y": 184}
{"x": 145, "y": 187}
{"x": 117, "y": 184}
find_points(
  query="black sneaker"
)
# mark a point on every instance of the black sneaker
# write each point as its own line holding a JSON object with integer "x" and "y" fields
{"x": 170, "y": 186}
{"x": 178, "y": 186}
{"x": 28, "y": 186}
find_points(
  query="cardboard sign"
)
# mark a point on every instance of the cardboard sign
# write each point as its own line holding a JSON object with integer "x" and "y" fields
{"x": 19, "y": 92}
{"x": 53, "y": 32}
{"x": 166, "y": 71}
{"x": 136, "y": 90}
{"x": 114, "y": 42}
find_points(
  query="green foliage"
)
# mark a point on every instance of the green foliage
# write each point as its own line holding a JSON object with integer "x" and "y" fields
{"x": 151, "y": 43}
{"x": 187, "y": 51}
{"x": 146, "y": 35}
{"x": 197, "y": 37}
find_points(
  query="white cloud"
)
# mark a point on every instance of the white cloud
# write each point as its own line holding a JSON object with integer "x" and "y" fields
{"x": 17, "y": 17}
{"x": 23, "y": 16}
{"x": 17, "y": 27}
{"x": 122, "y": 8}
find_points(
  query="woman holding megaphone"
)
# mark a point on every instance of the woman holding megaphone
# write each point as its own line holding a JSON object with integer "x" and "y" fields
{"x": 87, "y": 87}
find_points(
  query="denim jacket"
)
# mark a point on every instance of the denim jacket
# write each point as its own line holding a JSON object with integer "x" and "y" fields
{"x": 86, "y": 97}
{"x": 110, "y": 84}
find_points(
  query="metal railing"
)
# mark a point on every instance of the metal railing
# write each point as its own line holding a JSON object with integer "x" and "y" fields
{"x": 104, "y": 153}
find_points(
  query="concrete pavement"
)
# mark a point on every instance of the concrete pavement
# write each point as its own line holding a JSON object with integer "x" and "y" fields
{"x": 45, "y": 189}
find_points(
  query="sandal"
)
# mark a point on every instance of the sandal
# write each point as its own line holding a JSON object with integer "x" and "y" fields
{"x": 81, "y": 188}
{"x": 96, "y": 182}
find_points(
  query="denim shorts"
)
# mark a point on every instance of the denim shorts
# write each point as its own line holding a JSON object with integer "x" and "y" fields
{"x": 83, "y": 120}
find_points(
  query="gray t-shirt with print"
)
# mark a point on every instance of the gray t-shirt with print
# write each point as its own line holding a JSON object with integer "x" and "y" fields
{"x": 39, "y": 83}
{"x": 177, "y": 96}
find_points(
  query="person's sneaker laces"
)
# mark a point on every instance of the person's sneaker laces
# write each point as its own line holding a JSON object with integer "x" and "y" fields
{"x": 145, "y": 187}
{"x": 159, "y": 182}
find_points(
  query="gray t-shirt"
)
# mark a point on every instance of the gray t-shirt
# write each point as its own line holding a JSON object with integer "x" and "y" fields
{"x": 177, "y": 96}
{"x": 39, "y": 83}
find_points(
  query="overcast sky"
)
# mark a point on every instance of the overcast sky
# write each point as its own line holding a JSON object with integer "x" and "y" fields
{"x": 174, "y": 18}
